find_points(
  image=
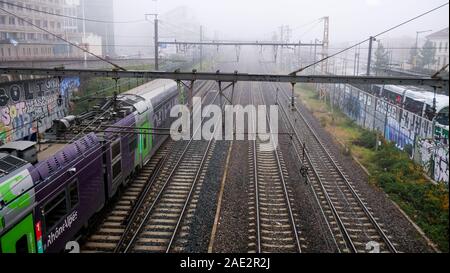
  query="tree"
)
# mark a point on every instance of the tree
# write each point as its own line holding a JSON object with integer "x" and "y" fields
{"x": 381, "y": 57}
{"x": 427, "y": 55}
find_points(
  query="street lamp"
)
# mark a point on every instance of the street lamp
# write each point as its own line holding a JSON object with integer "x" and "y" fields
{"x": 417, "y": 45}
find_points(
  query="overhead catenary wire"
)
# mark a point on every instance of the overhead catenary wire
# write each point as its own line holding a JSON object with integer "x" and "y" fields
{"x": 151, "y": 46}
{"x": 368, "y": 39}
{"x": 67, "y": 41}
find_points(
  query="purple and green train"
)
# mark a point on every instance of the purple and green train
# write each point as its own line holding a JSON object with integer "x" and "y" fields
{"x": 46, "y": 202}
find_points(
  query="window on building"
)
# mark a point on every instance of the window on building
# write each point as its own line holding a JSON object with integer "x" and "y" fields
{"x": 2, "y": 19}
{"x": 45, "y": 23}
{"x": 38, "y": 23}
{"x": 20, "y": 6}
{"x": 12, "y": 20}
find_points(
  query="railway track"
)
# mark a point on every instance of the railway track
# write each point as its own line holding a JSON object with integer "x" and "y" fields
{"x": 162, "y": 224}
{"x": 105, "y": 239}
{"x": 272, "y": 217}
{"x": 144, "y": 217}
{"x": 351, "y": 222}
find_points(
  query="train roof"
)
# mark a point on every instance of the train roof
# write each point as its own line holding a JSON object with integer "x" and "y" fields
{"x": 420, "y": 94}
{"x": 153, "y": 91}
{"x": 152, "y": 85}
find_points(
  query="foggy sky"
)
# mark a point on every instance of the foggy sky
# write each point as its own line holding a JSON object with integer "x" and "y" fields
{"x": 350, "y": 20}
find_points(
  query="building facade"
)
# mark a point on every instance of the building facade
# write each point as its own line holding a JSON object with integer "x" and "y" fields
{"x": 441, "y": 43}
{"x": 19, "y": 40}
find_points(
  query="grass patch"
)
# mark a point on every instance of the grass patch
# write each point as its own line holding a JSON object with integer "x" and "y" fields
{"x": 390, "y": 169}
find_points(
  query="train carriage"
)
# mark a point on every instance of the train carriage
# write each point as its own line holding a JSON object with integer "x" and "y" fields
{"x": 44, "y": 205}
{"x": 415, "y": 100}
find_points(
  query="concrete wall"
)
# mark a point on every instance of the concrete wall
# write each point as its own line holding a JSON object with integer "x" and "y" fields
{"x": 32, "y": 105}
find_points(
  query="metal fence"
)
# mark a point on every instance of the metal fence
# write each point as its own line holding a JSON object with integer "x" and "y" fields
{"x": 404, "y": 128}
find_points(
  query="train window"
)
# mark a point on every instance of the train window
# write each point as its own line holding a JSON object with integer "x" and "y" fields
{"x": 117, "y": 169}
{"x": 73, "y": 194}
{"x": 55, "y": 210}
{"x": 22, "y": 245}
{"x": 376, "y": 90}
{"x": 414, "y": 106}
{"x": 133, "y": 143}
{"x": 115, "y": 149}
{"x": 145, "y": 142}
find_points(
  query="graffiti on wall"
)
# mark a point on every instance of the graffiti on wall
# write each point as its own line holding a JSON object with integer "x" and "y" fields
{"x": 398, "y": 134}
{"x": 32, "y": 105}
{"x": 404, "y": 128}
{"x": 434, "y": 157}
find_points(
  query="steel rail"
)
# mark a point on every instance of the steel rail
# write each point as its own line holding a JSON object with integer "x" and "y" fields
{"x": 283, "y": 181}
{"x": 255, "y": 174}
{"x": 343, "y": 229}
{"x": 383, "y": 236}
{"x": 174, "y": 168}
{"x": 194, "y": 183}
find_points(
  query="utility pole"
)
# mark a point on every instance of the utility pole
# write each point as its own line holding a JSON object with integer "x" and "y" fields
{"x": 84, "y": 32}
{"x": 288, "y": 38}
{"x": 156, "y": 41}
{"x": 315, "y": 54}
{"x": 156, "y": 44}
{"x": 369, "y": 60}
{"x": 359, "y": 59}
{"x": 201, "y": 48}
{"x": 281, "y": 48}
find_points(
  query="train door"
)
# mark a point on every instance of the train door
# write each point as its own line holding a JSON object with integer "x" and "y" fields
{"x": 19, "y": 239}
{"x": 145, "y": 141}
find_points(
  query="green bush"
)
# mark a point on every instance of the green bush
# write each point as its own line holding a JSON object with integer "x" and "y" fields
{"x": 367, "y": 140}
{"x": 403, "y": 181}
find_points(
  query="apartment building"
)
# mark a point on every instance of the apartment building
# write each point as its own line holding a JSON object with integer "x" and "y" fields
{"x": 440, "y": 42}
{"x": 19, "y": 40}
